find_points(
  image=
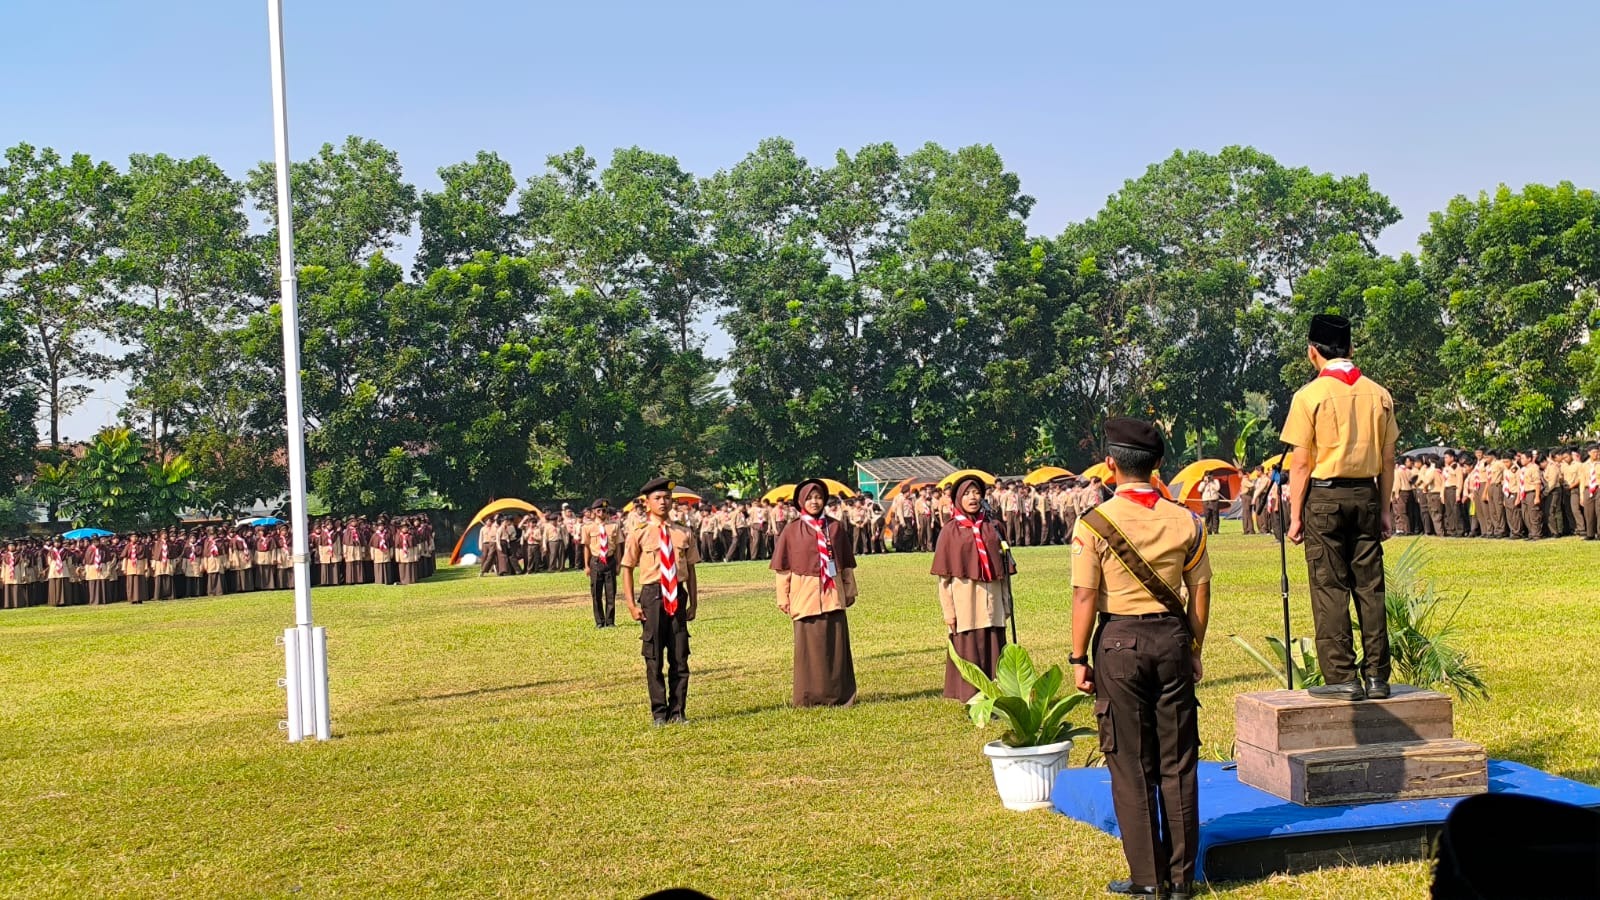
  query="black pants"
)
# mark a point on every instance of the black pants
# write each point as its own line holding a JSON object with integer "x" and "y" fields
{"x": 667, "y": 636}
{"x": 1344, "y": 559}
{"x": 603, "y": 592}
{"x": 1213, "y": 511}
{"x": 1150, "y": 735}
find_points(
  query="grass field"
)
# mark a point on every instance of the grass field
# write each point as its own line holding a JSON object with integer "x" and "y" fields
{"x": 489, "y": 741}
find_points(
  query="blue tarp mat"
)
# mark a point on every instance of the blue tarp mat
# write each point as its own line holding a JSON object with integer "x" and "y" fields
{"x": 1231, "y": 812}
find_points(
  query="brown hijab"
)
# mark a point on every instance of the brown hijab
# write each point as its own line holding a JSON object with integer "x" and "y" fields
{"x": 956, "y": 554}
{"x": 795, "y": 550}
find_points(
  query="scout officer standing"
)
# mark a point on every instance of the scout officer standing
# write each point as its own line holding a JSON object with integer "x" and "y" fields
{"x": 1133, "y": 559}
{"x": 1343, "y": 431}
{"x": 1589, "y": 493}
{"x": 664, "y": 556}
{"x": 602, "y": 547}
{"x": 1211, "y": 502}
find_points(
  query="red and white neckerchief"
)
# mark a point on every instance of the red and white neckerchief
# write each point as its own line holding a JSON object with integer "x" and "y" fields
{"x": 984, "y": 565}
{"x": 405, "y": 540}
{"x": 1342, "y": 369}
{"x": 669, "y": 570}
{"x": 1594, "y": 478}
{"x": 212, "y": 547}
{"x": 824, "y": 556}
{"x": 133, "y": 552}
{"x": 1143, "y": 495}
{"x": 383, "y": 538}
{"x": 605, "y": 543}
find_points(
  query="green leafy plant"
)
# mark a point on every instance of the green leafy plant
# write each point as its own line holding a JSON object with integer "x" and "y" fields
{"x": 1030, "y": 704}
{"x": 1422, "y": 630}
{"x": 1302, "y": 657}
{"x": 1422, "y": 650}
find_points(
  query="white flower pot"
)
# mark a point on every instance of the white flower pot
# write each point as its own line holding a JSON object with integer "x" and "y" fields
{"x": 1024, "y": 775}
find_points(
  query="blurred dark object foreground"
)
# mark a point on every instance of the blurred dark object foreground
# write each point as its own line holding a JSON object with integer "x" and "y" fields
{"x": 1500, "y": 846}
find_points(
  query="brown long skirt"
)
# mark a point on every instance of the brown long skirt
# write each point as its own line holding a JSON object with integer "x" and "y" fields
{"x": 383, "y": 572}
{"x": 408, "y": 572}
{"x": 136, "y": 588}
{"x": 981, "y": 647}
{"x": 14, "y": 595}
{"x": 97, "y": 591}
{"x": 824, "y": 670}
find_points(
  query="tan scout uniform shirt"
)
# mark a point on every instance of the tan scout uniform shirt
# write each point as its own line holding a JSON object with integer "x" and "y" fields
{"x": 1166, "y": 536}
{"x": 1344, "y": 426}
{"x": 1531, "y": 480}
{"x": 591, "y": 539}
{"x": 643, "y": 546}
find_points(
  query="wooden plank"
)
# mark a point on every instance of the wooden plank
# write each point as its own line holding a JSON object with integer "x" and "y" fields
{"x": 1372, "y": 773}
{"x": 1284, "y": 721}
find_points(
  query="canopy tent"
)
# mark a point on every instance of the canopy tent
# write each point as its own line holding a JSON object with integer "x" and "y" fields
{"x": 1100, "y": 471}
{"x": 1045, "y": 474}
{"x": 784, "y": 492}
{"x": 1186, "y": 484}
{"x": 260, "y": 521}
{"x": 1432, "y": 451}
{"x": 909, "y": 484}
{"x": 679, "y": 495}
{"x": 953, "y": 477}
{"x": 1272, "y": 462}
{"x": 468, "y": 543}
{"x": 877, "y": 476}
{"x": 78, "y": 534}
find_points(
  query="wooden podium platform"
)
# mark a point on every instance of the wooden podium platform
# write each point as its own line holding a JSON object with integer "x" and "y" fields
{"x": 1327, "y": 752}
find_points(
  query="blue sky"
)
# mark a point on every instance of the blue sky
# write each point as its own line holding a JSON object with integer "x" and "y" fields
{"x": 1431, "y": 100}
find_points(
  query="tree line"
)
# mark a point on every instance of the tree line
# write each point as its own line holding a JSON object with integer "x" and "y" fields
{"x": 550, "y": 335}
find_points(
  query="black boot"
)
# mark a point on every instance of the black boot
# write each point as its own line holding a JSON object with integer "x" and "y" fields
{"x": 1344, "y": 690}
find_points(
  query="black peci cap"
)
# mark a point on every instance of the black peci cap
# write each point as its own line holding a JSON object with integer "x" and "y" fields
{"x": 1134, "y": 434}
{"x": 1330, "y": 330}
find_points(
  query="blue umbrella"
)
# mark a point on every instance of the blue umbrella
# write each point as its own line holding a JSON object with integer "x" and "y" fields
{"x": 262, "y": 521}
{"x": 77, "y": 534}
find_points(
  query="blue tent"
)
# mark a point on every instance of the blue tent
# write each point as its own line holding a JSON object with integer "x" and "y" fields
{"x": 78, "y": 534}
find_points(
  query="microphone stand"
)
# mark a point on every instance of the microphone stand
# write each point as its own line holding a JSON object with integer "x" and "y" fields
{"x": 1283, "y": 564}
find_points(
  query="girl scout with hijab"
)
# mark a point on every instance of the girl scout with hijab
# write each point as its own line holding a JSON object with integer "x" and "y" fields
{"x": 815, "y": 568}
{"x": 974, "y": 593}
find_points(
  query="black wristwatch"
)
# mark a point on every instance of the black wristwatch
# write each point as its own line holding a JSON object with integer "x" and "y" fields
{"x": 1078, "y": 660}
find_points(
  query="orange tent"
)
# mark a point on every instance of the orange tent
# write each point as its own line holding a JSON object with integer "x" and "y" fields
{"x": 1100, "y": 471}
{"x": 1186, "y": 483}
{"x": 468, "y": 542}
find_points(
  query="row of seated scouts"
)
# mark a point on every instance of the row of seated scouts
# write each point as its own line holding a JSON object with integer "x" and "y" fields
{"x": 175, "y": 563}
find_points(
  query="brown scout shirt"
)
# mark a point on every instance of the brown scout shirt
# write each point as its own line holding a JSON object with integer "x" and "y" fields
{"x": 639, "y": 553}
{"x": 1165, "y": 535}
{"x": 1345, "y": 427}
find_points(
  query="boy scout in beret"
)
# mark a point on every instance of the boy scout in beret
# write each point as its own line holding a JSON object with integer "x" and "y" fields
{"x": 1343, "y": 431}
{"x": 664, "y": 556}
{"x": 1135, "y": 558}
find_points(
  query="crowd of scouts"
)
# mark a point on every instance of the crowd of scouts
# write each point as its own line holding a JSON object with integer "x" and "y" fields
{"x": 210, "y": 561}
{"x": 1527, "y": 495}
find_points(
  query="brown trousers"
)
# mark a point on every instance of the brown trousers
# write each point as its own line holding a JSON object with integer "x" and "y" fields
{"x": 1344, "y": 559}
{"x": 1150, "y": 734}
{"x": 1591, "y": 514}
{"x": 1493, "y": 512}
{"x": 1402, "y": 513}
{"x": 1513, "y": 511}
{"x": 1533, "y": 517}
{"x": 1452, "y": 513}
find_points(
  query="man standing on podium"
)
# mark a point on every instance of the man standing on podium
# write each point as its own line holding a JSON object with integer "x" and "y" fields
{"x": 1343, "y": 432}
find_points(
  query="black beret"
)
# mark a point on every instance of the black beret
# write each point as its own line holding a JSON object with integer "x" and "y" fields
{"x": 1133, "y": 434}
{"x": 657, "y": 484}
{"x": 602, "y": 503}
{"x": 1330, "y": 330}
{"x": 801, "y": 488}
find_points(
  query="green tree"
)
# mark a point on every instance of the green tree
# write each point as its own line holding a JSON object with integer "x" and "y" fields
{"x": 19, "y": 406}
{"x": 59, "y": 227}
{"x": 190, "y": 272}
{"x": 469, "y": 215}
{"x": 1519, "y": 271}
{"x": 349, "y": 203}
{"x": 110, "y": 486}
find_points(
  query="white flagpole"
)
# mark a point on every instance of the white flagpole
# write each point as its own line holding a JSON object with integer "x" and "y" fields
{"x": 306, "y": 675}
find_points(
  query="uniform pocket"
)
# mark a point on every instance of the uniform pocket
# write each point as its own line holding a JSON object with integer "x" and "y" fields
{"x": 1102, "y": 721}
{"x": 1114, "y": 658}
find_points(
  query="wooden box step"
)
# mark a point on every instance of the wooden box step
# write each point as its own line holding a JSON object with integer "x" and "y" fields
{"x": 1402, "y": 770}
{"x": 1283, "y": 721}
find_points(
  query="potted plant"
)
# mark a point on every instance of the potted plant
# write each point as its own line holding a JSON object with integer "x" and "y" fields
{"x": 1038, "y": 737}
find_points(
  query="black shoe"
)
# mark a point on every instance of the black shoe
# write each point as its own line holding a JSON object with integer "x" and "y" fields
{"x": 658, "y": 722}
{"x": 1127, "y": 887}
{"x": 678, "y": 720}
{"x": 1181, "y": 892}
{"x": 1377, "y": 690}
{"x": 1344, "y": 690}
